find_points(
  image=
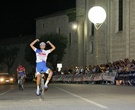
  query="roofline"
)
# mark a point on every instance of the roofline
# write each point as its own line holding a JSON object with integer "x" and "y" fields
{"x": 59, "y": 13}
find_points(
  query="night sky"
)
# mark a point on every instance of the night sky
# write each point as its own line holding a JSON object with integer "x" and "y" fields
{"x": 17, "y": 16}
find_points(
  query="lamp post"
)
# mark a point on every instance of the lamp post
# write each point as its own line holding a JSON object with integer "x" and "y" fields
{"x": 97, "y": 16}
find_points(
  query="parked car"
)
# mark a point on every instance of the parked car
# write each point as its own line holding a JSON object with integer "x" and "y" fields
{"x": 6, "y": 78}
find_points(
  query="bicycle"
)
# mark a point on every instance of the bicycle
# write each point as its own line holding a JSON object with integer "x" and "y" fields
{"x": 20, "y": 84}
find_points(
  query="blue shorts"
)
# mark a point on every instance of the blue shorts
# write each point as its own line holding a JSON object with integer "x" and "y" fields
{"x": 21, "y": 73}
{"x": 42, "y": 68}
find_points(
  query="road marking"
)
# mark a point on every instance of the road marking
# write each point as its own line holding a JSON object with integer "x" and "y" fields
{"x": 6, "y": 92}
{"x": 87, "y": 100}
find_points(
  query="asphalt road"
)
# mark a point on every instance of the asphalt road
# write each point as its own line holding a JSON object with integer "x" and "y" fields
{"x": 68, "y": 97}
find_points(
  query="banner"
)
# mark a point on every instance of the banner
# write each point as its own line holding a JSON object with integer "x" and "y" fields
{"x": 98, "y": 77}
{"x": 77, "y": 78}
{"x": 68, "y": 78}
{"x": 130, "y": 74}
{"x": 109, "y": 76}
{"x": 58, "y": 77}
{"x": 87, "y": 77}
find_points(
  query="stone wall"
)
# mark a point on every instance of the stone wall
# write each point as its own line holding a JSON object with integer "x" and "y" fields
{"x": 112, "y": 43}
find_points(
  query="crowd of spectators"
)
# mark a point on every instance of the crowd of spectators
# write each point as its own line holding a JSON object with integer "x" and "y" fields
{"x": 121, "y": 67}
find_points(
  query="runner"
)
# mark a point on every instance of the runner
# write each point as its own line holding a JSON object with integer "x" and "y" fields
{"x": 41, "y": 58}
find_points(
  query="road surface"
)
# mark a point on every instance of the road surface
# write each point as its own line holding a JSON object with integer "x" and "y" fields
{"x": 68, "y": 97}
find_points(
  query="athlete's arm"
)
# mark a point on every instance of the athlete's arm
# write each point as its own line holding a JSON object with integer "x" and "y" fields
{"x": 53, "y": 47}
{"x": 24, "y": 70}
{"x": 18, "y": 73}
{"x": 32, "y": 44}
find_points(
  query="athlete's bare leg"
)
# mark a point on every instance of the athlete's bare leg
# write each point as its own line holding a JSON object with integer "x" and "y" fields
{"x": 48, "y": 78}
{"x": 38, "y": 79}
{"x": 50, "y": 75}
{"x": 38, "y": 83}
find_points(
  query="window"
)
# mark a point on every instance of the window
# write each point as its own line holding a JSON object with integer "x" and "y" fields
{"x": 58, "y": 30}
{"x": 120, "y": 15}
{"x": 69, "y": 38}
{"x": 92, "y": 29}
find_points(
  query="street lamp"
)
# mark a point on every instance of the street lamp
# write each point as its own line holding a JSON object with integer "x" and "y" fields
{"x": 97, "y": 16}
{"x": 74, "y": 26}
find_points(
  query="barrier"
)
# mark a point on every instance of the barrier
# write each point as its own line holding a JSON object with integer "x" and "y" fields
{"x": 127, "y": 78}
{"x": 58, "y": 78}
{"x": 78, "y": 78}
{"x": 68, "y": 78}
{"x": 108, "y": 76}
{"x": 87, "y": 77}
{"x": 98, "y": 77}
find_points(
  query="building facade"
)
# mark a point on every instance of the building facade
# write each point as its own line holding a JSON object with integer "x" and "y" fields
{"x": 87, "y": 46}
{"x": 60, "y": 23}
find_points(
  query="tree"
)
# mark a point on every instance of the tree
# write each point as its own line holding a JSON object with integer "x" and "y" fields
{"x": 1, "y": 54}
{"x": 8, "y": 56}
{"x": 60, "y": 41}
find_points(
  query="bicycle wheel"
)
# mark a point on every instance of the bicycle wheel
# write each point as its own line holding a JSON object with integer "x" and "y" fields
{"x": 42, "y": 88}
{"x": 20, "y": 86}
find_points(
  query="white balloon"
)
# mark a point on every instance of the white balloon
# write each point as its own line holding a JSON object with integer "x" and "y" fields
{"x": 97, "y": 15}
